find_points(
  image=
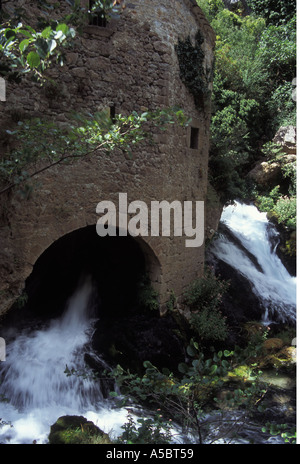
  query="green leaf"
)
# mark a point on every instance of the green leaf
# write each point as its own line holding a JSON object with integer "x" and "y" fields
{"x": 166, "y": 371}
{"x": 227, "y": 353}
{"x": 63, "y": 28}
{"x": 147, "y": 364}
{"x": 191, "y": 351}
{"x": 23, "y": 45}
{"x": 46, "y": 32}
{"x": 214, "y": 368}
{"x": 26, "y": 33}
{"x": 183, "y": 368}
{"x": 33, "y": 60}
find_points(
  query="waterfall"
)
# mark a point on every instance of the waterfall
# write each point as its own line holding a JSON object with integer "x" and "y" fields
{"x": 34, "y": 382}
{"x": 248, "y": 244}
{"x": 33, "y": 378}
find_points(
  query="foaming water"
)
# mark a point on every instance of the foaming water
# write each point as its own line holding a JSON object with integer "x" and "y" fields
{"x": 34, "y": 382}
{"x": 271, "y": 281}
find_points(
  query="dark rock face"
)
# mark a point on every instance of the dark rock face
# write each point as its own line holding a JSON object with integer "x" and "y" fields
{"x": 132, "y": 339}
{"x": 239, "y": 304}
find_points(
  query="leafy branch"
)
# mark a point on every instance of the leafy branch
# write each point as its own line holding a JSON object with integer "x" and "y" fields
{"x": 185, "y": 396}
{"x": 41, "y": 145}
{"x": 25, "y": 50}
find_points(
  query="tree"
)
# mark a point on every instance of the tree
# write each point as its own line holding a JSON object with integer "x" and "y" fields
{"x": 253, "y": 87}
{"x": 274, "y": 11}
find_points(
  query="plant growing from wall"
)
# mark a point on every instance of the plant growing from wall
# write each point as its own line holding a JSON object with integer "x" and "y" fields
{"x": 106, "y": 8}
{"x": 193, "y": 72}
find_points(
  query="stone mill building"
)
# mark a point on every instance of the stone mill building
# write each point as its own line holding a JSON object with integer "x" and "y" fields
{"x": 134, "y": 62}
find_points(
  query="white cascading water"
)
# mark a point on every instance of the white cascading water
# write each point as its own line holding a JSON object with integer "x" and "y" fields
{"x": 33, "y": 376}
{"x": 34, "y": 382}
{"x": 272, "y": 283}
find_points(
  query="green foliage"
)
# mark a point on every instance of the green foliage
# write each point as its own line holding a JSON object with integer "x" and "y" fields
{"x": 277, "y": 52}
{"x": 191, "y": 65}
{"x": 286, "y": 210}
{"x": 203, "y": 297}
{"x": 71, "y": 430}
{"x": 145, "y": 430}
{"x": 25, "y": 50}
{"x": 107, "y": 8}
{"x": 211, "y": 7}
{"x": 284, "y": 430}
{"x": 255, "y": 64}
{"x": 48, "y": 144}
{"x": 282, "y": 207}
{"x": 275, "y": 11}
{"x": 183, "y": 396}
{"x": 209, "y": 325}
{"x": 171, "y": 301}
{"x": 205, "y": 292}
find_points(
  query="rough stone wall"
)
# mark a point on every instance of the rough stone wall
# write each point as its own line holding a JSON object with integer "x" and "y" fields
{"x": 132, "y": 65}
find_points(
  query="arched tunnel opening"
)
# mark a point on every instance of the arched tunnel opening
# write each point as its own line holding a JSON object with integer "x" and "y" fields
{"x": 116, "y": 265}
{"x": 127, "y": 332}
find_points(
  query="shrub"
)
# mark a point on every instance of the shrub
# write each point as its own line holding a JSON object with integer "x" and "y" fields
{"x": 206, "y": 292}
{"x": 286, "y": 209}
{"x": 204, "y": 297}
{"x": 209, "y": 325}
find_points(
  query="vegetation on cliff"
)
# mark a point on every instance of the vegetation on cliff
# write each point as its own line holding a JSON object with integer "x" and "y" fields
{"x": 253, "y": 86}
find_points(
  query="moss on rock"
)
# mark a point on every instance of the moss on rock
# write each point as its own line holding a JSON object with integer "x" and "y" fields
{"x": 69, "y": 430}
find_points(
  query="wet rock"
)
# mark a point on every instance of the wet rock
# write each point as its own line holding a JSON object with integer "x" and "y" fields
{"x": 76, "y": 430}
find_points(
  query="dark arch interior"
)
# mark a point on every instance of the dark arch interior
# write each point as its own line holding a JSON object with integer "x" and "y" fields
{"x": 116, "y": 264}
{"x": 126, "y": 331}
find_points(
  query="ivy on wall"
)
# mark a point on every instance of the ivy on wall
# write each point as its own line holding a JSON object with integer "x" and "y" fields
{"x": 193, "y": 73}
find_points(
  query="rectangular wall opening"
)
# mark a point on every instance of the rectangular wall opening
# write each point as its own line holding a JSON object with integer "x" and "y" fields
{"x": 97, "y": 19}
{"x": 194, "y": 139}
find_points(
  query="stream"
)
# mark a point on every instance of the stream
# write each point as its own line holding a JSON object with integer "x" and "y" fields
{"x": 34, "y": 388}
{"x": 247, "y": 242}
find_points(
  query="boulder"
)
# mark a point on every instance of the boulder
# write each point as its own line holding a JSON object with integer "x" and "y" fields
{"x": 272, "y": 344}
{"x": 266, "y": 174}
{"x": 68, "y": 430}
{"x": 287, "y": 138}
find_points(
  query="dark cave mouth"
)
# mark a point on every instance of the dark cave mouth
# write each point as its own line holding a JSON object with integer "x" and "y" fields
{"x": 126, "y": 331}
{"x": 116, "y": 265}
